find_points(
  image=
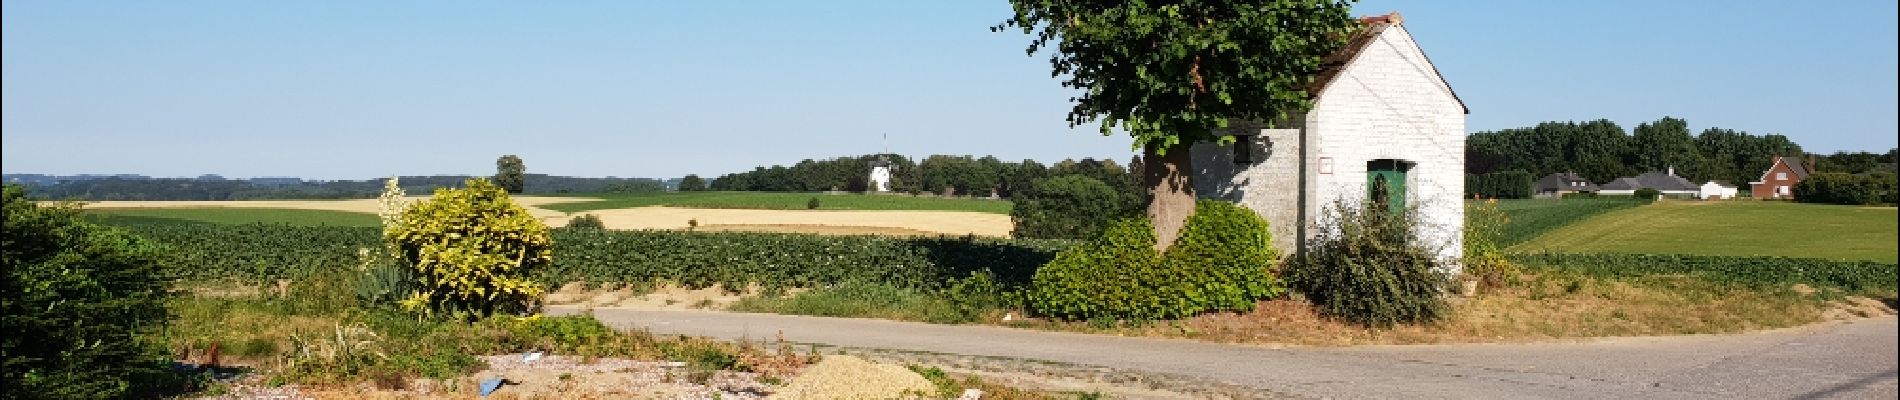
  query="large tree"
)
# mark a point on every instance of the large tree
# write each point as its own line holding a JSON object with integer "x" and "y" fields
{"x": 692, "y": 183}
{"x": 1172, "y": 73}
{"x": 511, "y": 174}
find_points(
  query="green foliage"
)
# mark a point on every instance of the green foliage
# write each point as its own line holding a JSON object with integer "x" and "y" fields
{"x": 473, "y": 250}
{"x": 1172, "y": 73}
{"x": 236, "y": 216}
{"x": 1770, "y": 273}
{"x": 1365, "y": 267}
{"x": 265, "y": 253}
{"x": 1223, "y": 261}
{"x": 692, "y": 183}
{"x": 385, "y": 280}
{"x": 1226, "y": 252}
{"x": 1067, "y": 207}
{"x": 1500, "y": 185}
{"x": 586, "y": 221}
{"x": 511, "y": 174}
{"x": 1664, "y": 144}
{"x": 1648, "y": 194}
{"x": 812, "y": 204}
{"x": 1837, "y": 188}
{"x": 1484, "y": 256}
{"x": 1601, "y": 150}
{"x": 78, "y": 298}
{"x": 1103, "y": 277}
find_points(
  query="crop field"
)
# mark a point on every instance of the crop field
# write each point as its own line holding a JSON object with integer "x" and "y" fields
{"x": 1531, "y": 218}
{"x": 226, "y": 215}
{"x": 779, "y": 201}
{"x": 1738, "y": 228}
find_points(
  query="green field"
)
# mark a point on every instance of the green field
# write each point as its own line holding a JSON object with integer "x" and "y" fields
{"x": 1737, "y": 228}
{"x": 1532, "y": 218}
{"x": 780, "y": 201}
{"x": 226, "y": 215}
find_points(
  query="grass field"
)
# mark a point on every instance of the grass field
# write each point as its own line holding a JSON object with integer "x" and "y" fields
{"x": 1531, "y": 218}
{"x": 780, "y": 201}
{"x": 228, "y": 215}
{"x": 1740, "y": 228}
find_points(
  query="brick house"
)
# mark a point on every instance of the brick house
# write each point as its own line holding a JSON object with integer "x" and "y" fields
{"x": 1779, "y": 180}
{"x": 1382, "y": 116}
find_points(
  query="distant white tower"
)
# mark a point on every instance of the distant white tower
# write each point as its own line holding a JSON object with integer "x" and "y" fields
{"x": 881, "y": 174}
{"x": 881, "y": 169}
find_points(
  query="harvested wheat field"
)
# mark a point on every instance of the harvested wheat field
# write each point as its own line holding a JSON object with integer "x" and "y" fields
{"x": 816, "y": 221}
{"x": 824, "y": 222}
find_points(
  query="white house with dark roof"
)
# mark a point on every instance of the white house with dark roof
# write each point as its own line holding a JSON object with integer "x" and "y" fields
{"x": 1384, "y": 123}
{"x": 1665, "y": 182}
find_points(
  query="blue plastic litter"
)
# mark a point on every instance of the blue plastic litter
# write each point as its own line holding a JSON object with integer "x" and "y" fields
{"x": 490, "y": 385}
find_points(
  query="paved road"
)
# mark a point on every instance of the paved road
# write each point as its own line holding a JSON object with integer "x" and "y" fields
{"x": 1836, "y": 360}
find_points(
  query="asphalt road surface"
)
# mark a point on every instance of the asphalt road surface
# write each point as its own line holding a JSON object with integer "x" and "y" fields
{"x": 1852, "y": 360}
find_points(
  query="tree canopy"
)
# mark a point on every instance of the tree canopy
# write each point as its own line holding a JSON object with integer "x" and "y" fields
{"x": 1174, "y": 72}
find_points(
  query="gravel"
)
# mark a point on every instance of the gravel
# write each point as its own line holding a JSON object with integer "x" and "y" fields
{"x": 848, "y": 377}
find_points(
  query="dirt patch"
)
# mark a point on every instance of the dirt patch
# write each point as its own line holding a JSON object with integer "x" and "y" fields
{"x": 1856, "y": 307}
{"x": 928, "y": 222}
{"x": 549, "y": 377}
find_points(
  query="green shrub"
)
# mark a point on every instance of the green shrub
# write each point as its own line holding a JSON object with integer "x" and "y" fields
{"x": 1837, "y": 188}
{"x": 1579, "y": 195}
{"x": 79, "y": 301}
{"x": 474, "y": 250}
{"x": 1648, "y": 194}
{"x": 586, "y": 221}
{"x": 1226, "y": 252}
{"x": 812, "y": 204}
{"x": 1222, "y": 261}
{"x": 1101, "y": 278}
{"x": 1067, "y": 207}
{"x": 385, "y": 281}
{"x": 1365, "y": 267}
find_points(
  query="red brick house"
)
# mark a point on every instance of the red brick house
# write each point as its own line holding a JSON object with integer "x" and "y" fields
{"x": 1779, "y": 180}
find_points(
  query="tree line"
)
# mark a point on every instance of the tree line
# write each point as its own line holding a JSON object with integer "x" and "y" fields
{"x": 1601, "y": 150}
{"x": 937, "y": 174}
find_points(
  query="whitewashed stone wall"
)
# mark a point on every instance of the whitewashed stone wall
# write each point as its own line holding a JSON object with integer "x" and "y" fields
{"x": 1270, "y": 186}
{"x": 1387, "y": 104}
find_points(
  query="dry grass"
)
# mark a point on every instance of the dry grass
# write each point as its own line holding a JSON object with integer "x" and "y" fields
{"x": 1538, "y": 308}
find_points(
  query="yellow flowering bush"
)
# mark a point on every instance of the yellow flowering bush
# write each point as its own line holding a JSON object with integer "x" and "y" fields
{"x": 473, "y": 250}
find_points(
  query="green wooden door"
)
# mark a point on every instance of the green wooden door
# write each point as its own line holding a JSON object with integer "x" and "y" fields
{"x": 1385, "y": 181}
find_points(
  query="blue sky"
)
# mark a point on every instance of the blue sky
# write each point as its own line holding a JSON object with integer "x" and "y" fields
{"x": 353, "y": 90}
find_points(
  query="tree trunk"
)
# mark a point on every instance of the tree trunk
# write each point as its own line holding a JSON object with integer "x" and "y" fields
{"x": 1170, "y": 185}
